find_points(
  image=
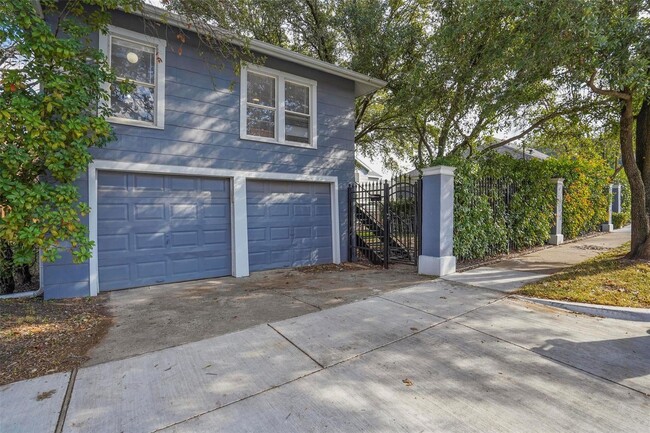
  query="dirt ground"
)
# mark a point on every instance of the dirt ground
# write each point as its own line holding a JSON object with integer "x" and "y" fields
{"x": 155, "y": 317}
{"x": 40, "y": 337}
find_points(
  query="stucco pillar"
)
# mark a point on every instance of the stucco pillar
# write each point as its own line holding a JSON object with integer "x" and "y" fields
{"x": 437, "y": 222}
{"x": 556, "y": 231}
{"x": 617, "y": 197}
{"x": 608, "y": 226}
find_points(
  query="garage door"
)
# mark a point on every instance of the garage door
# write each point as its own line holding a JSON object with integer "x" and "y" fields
{"x": 156, "y": 229}
{"x": 289, "y": 224}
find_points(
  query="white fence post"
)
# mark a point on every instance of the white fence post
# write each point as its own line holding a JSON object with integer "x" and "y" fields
{"x": 608, "y": 226}
{"x": 556, "y": 232}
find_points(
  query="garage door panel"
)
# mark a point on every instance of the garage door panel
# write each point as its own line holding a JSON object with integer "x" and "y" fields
{"x": 185, "y": 266}
{"x": 175, "y": 228}
{"x": 212, "y": 237}
{"x": 282, "y": 217}
{"x": 183, "y": 183}
{"x": 279, "y": 209}
{"x": 149, "y": 212}
{"x": 322, "y": 210}
{"x": 184, "y": 211}
{"x": 112, "y": 212}
{"x": 302, "y": 210}
{"x": 257, "y": 259}
{"x": 114, "y": 273}
{"x": 184, "y": 239}
{"x": 148, "y": 182}
{"x": 151, "y": 269}
{"x": 149, "y": 241}
{"x": 117, "y": 242}
{"x": 215, "y": 186}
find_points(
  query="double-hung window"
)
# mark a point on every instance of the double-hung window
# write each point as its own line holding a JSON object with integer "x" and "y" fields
{"x": 277, "y": 107}
{"x": 138, "y": 60}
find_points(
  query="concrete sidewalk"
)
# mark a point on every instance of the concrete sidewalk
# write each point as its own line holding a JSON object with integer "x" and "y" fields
{"x": 509, "y": 275}
{"x": 441, "y": 356}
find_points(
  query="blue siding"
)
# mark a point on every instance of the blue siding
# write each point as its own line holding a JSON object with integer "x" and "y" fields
{"x": 202, "y": 130}
{"x": 64, "y": 278}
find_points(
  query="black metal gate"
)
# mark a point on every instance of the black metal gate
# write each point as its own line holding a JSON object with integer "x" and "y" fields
{"x": 385, "y": 220}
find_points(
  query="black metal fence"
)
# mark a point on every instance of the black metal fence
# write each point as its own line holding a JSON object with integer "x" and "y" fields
{"x": 385, "y": 220}
{"x": 495, "y": 195}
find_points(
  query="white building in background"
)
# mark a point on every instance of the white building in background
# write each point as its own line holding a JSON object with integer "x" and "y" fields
{"x": 364, "y": 173}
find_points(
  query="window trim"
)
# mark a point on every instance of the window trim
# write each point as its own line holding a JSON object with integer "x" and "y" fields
{"x": 159, "y": 86}
{"x": 280, "y": 78}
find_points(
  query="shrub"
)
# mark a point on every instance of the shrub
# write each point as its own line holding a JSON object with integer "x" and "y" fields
{"x": 516, "y": 209}
{"x": 586, "y": 182}
{"x": 620, "y": 219}
{"x": 512, "y": 208}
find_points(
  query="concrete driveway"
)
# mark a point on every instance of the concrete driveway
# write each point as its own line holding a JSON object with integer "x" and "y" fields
{"x": 166, "y": 315}
{"x": 441, "y": 356}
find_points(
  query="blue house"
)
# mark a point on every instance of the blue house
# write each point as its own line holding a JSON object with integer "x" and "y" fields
{"x": 213, "y": 173}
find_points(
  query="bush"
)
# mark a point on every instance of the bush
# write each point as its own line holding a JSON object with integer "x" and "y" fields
{"x": 620, "y": 219}
{"x": 487, "y": 223}
{"x": 514, "y": 211}
{"x": 586, "y": 182}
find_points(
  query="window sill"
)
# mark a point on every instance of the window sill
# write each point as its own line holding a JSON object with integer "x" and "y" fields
{"x": 120, "y": 121}
{"x": 274, "y": 141}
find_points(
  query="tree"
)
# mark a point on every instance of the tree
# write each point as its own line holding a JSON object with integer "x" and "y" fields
{"x": 615, "y": 64}
{"x": 51, "y": 88}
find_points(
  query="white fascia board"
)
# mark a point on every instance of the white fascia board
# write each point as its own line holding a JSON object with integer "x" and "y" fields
{"x": 363, "y": 84}
{"x": 207, "y": 172}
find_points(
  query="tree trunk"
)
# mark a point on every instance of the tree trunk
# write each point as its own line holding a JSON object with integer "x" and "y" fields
{"x": 7, "y": 282}
{"x": 643, "y": 147}
{"x": 640, "y": 248}
{"x": 26, "y": 274}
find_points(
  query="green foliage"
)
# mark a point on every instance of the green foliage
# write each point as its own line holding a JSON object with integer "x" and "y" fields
{"x": 514, "y": 211}
{"x": 620, "y": 219}
{"x": 586, "y": 183}
{"x": 50, "y": 90}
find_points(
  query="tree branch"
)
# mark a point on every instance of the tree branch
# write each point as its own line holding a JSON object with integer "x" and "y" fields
{"x": 523, "y": 133}
{"x": 606, "y": 92}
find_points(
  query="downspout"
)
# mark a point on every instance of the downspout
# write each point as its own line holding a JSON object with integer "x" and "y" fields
{"x": 30, "y": 294}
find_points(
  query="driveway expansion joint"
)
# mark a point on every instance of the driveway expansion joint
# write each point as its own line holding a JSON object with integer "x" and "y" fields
{"x": 296, "y": 346}
{"x": 66, "y": 401}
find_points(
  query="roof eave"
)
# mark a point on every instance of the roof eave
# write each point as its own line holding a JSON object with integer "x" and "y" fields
{"x": 363, "y": 84}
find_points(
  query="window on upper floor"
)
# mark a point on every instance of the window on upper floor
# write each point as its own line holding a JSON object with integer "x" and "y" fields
{"x": 138, "y": 60}
{"x": 277, "y": 107}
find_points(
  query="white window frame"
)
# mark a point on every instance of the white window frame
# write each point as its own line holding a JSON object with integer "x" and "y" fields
{"x": 280, "y": 78}
{"x": 159, "y": 90}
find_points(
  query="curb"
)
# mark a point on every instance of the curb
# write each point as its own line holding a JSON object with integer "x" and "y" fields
{"x": 607, "y": 311}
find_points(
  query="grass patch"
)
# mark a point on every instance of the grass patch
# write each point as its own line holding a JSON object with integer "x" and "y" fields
{"x": 40, "y": 337}
{"x": 608, "y": 279}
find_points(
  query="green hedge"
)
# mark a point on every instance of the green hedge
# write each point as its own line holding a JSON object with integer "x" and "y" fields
{"x": 586, "y": 183}
{"x": 485, "y": 225}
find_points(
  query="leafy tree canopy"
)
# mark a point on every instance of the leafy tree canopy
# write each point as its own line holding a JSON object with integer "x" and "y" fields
{"x": 51, "y": 86}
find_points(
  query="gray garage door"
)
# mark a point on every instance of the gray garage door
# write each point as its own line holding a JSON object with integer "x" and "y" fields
{"x": 289, "y": 224}
{"x": 156, "y": 229}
